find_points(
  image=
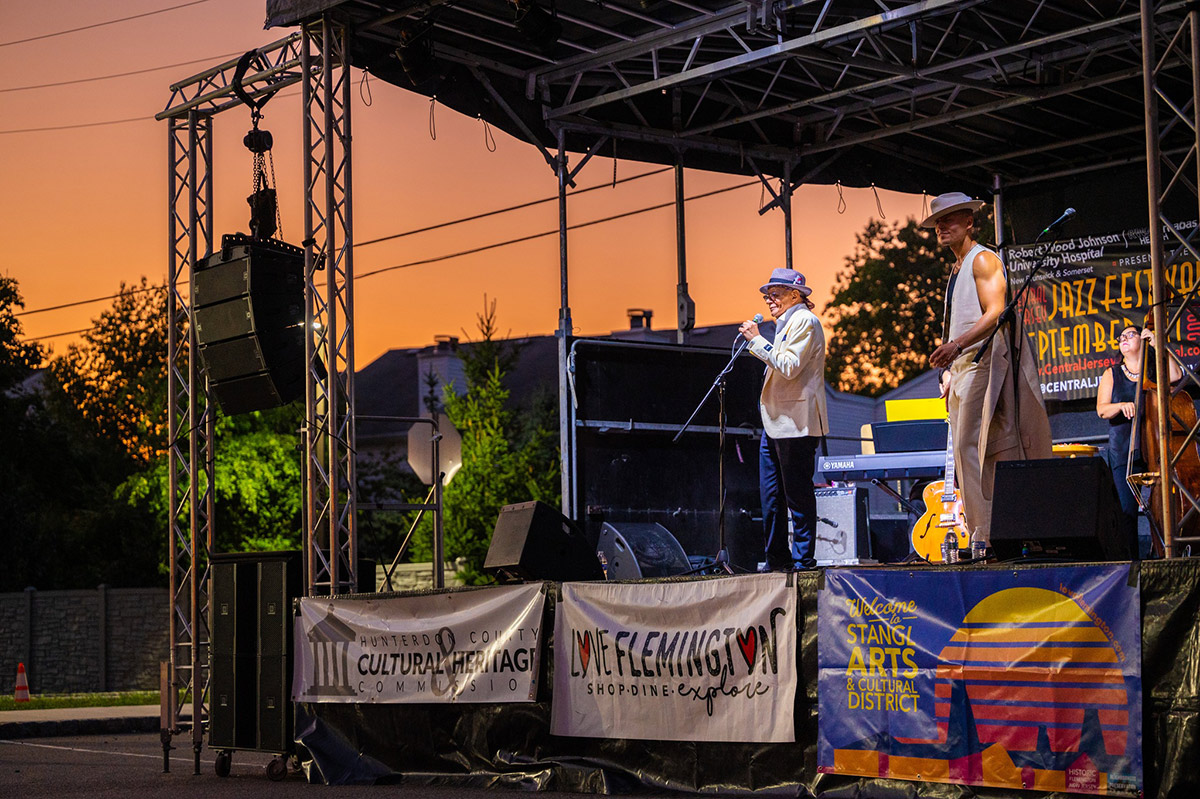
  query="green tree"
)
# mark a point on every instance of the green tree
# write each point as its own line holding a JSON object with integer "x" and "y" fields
{"x": 887, "y": 305}
{"x": 62, "y": 527}
{"x": 116, "y": 379}
{"x": 18, "y": 358}
{"x": 507, "y": 456}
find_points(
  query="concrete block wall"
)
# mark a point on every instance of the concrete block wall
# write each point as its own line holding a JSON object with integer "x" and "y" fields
{"x": 107, "y": 639}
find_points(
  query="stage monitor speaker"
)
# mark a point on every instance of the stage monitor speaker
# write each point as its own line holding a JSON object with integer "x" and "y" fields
{"x": 249, "y": 312}
{"x": 843, "y": 534}
{"x": 1058, "y": 507}
{"x": 534, "y": 541}
{"x": 635, "y": 550}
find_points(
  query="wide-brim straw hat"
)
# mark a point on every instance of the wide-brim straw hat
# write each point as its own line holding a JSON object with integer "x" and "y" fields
{"x": 949, "y": 203}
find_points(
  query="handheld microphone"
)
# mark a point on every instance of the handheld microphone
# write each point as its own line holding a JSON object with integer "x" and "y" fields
{"x": 757, "y": 318}
{"x": 830, "y": 522}
{"x": 1067, "y": 214}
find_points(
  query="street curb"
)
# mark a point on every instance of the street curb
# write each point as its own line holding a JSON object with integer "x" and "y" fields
{"x": 100, "y": 726}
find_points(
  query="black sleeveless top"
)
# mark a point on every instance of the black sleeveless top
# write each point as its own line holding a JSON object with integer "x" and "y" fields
{"x": 1120, "y": 428}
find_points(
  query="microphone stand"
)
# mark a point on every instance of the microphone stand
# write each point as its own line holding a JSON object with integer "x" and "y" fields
{"x": 721, "y": 561}
{"x": 1009, "y": 312}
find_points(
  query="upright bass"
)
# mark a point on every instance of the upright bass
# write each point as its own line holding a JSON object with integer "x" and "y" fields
{"x": 1182, "y": 456}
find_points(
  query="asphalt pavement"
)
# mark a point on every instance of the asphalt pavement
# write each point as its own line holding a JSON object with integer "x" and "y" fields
{"x": 96, "y": 753}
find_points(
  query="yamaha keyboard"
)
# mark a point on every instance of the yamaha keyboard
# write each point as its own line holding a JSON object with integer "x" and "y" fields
{"x": 883, "y": 466}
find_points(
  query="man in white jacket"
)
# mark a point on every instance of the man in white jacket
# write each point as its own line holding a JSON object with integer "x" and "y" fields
{"x": 793, "y": 415}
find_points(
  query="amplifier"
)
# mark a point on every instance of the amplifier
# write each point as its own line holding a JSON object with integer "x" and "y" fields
{"x": 843, "y": 535}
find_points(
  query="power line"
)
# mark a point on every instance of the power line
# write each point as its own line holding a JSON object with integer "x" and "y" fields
{"x": 80, "y": 125}
{"x": 60, "y": 335}
{"x": 436, "y": 258}
{"x": 117, "y": 74}
{"x": 449, "y": 223}
{"x": 533, "y": 236}
{"x": 101, "y": 24}
{"x": 107, "y": 122}
{"x": 517, "y": 207}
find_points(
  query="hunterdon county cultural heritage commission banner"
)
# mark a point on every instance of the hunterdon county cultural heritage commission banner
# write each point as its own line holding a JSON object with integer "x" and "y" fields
{"x": 460, "y": 646}
{"x": 1013, "y": 679}
{"x": 1086, "y": 290}
{"x": 702, "y": 660}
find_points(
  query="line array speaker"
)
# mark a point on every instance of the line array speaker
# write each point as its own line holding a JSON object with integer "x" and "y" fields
{"x": 249, "y": 312}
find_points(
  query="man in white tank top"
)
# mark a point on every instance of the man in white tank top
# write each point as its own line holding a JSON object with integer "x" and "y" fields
{"x": 983, "y": 399}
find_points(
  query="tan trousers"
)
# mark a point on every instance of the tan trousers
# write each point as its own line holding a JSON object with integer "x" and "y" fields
{"x": 968, "y": 385}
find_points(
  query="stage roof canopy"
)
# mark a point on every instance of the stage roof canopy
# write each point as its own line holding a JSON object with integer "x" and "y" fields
{"x": 912, "y": 96}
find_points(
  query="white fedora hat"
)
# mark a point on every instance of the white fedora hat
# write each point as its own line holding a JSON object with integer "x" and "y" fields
{"x": 947, "y": 203}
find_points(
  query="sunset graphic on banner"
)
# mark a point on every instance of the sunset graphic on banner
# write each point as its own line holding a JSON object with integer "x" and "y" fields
{"x": 1029, "y": 690}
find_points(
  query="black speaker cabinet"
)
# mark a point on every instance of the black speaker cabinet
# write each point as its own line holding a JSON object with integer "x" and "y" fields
{"x": 249, "y": 312}
{"x": 1058, "y": 507}
{"x": 843, "y": 534}
{"x": 251, "y": 669}
{"x": 635, "y": 550}
{"x": 534, "y": 541}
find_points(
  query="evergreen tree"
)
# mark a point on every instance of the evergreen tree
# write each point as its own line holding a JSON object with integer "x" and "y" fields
{"x": 507, "y": 457}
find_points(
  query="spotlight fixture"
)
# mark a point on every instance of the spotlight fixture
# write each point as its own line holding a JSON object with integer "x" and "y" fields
{"x": 416, "y": 56}
{"x": 542, "y": 28}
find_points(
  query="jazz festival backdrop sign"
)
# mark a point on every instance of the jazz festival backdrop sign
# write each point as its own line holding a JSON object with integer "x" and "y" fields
{"x": 461, "y": 646}
{"x": 1087, "y": 289}
{"x": 701, "y": 660}
{"x": 1013, "y": 679}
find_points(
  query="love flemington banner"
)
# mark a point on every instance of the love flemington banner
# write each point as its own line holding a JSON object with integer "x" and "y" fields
{"x": 702, "y": 660}
{"x": 1088, "y": 289}
{"x": 1028, "y": 678}
{"x": 461, "y": 646}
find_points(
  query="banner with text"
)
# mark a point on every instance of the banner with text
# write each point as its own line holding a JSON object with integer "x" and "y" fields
{"x": 1086, "y": 290}
{"x": 461, "y": 646}
{"x": 703, "y": 660}
{"x": 1012, "y": 679}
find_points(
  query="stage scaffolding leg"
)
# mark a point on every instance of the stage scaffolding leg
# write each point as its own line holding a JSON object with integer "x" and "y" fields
{"x": 565, "y": 431}
{"x": 1178, "y": 129}
{"x": 785, "y": 203}
{"x": 190, "y": 431}
{"x": 330, "y": 543}
{"x": 686, "y": 307}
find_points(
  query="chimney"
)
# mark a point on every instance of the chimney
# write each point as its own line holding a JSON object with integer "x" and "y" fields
{"x": 639, "y": 318}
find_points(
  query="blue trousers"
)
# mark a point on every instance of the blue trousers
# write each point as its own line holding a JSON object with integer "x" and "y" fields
{"x": 785, "y": 481}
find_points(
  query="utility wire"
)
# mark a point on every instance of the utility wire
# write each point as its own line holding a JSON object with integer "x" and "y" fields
{"x": 533, "y": 236}
{"x": 117, "y": 74}
{"x": 517, "y": 207}
{"x": 434, "y": 259}
{"x": 101, "y": 24}
{"x": 107, "y": 122}
{"x": 460, "y": 220}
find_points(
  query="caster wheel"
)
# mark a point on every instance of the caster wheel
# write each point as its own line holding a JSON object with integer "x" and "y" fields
{"x": 223, "y": 764}
{"x": 277, "y": 769}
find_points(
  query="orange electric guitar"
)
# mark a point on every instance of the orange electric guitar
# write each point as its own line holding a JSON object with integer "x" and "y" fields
{"x": 943, "y": 513}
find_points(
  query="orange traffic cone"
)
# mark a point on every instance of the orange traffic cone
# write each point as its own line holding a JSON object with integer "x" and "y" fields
{"x": 22, "y": 692}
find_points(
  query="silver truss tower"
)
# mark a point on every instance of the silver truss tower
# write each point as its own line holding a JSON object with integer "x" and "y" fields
{"x": 314, "y": 59}
{"x": 1171, "y": 82}
{"x": 190, "y": 417}
{"x": 330, "y": 545}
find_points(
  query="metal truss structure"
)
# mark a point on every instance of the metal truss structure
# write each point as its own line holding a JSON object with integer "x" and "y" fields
{"x": 314, "y": 58}
{"x": 1171, "y": 75}
{"x": 331, "y": 547}
{"x": 190, "y": 418}
{"x": 910, "y": 95}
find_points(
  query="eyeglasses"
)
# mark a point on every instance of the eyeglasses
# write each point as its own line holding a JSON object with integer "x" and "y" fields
{"x": 775, "y": 296}
{"x": 1131, "y": 334}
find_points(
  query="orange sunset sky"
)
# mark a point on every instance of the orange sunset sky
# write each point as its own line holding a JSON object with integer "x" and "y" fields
{"x": 84, "y": 172}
